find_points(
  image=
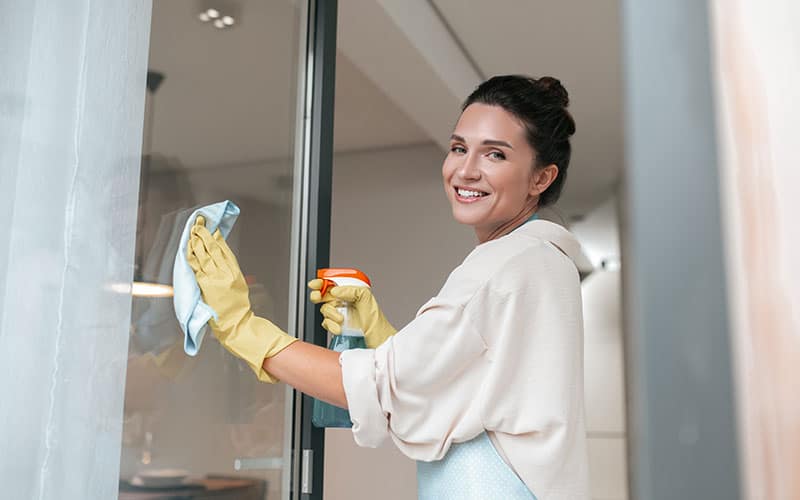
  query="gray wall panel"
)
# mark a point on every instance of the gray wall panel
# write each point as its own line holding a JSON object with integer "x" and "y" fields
{"x": 681, "y": 411}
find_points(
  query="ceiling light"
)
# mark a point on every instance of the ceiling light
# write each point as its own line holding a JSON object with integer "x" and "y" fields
{"x": 611, "y": 263}
{"x": 143, "y": 289}
{"x": 219, "y": 17}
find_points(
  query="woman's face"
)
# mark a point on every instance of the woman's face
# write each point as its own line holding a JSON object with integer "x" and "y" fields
{"x": 488, "y": 172}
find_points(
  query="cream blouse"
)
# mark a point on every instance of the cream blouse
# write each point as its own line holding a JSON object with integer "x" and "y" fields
{"x": 500, "y": 349}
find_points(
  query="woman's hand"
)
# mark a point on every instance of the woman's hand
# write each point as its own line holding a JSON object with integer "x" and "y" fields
{"x": 224, "y": 288}
{"x": 221, "y": 281}
{"x": 368, "y": 315}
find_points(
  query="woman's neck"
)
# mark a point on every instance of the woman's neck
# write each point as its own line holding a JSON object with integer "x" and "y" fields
{"x": 503, "y": 229}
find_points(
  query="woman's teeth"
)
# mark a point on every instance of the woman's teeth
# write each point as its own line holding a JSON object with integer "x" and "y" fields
{"x": 464, "y": 193}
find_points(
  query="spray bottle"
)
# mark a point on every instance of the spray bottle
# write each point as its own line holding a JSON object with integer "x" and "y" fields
{"x": 352, "y": 337}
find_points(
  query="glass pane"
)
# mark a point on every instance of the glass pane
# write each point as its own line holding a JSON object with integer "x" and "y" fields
{"x": 220, "y": 123}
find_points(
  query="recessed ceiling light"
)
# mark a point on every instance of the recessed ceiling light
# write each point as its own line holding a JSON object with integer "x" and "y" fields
{"x": 219, "y": 18}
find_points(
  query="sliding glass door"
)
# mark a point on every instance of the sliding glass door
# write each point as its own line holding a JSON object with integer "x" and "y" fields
{"x": 228, "y": 117}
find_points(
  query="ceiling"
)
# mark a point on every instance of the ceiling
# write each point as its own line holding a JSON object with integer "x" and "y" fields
{"x": 229, "y": 95}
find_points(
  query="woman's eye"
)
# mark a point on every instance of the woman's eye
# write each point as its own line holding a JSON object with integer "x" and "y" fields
{"x": 458, "y": 149}
{"x": 497, "y": 155}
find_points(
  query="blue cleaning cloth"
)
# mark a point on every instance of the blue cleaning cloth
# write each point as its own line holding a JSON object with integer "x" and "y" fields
{"x": 192, "y": 313}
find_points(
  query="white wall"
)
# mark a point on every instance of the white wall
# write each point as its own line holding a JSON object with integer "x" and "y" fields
{"x": 604, "y": 373}
{"x": 391, "y": 219}
{"x": 604, "y": 386}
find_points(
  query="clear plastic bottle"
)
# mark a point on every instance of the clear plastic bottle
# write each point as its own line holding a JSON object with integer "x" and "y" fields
{"x": 352, "y": 337}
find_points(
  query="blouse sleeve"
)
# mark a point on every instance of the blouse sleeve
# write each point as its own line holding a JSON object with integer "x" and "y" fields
{"x": 418, "y": 386}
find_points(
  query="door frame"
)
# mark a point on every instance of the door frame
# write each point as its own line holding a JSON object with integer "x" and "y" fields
{"x": 313, "y": 222}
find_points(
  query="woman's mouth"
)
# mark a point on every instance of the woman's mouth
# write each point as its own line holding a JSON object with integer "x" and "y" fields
{"x": 464, "y": 195}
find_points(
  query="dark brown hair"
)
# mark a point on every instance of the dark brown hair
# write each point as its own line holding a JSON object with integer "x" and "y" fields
{"x": 541, "y": 105}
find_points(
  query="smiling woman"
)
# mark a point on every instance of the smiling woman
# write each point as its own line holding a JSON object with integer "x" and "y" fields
{"x": 509, "y": 153}
{"x": 484, "y": 388}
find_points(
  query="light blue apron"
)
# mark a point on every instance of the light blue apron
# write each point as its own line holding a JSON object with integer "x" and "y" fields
{"x": 473, "y": 470}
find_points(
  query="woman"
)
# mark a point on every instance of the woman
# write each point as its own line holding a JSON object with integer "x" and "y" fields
{"x": 484, "y": 388}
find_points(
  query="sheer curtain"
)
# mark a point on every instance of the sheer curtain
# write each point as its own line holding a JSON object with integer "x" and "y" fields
{"x": 71, "y": 107}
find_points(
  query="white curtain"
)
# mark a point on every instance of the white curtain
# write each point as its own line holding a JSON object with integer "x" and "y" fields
{"x": 72, "y": 87}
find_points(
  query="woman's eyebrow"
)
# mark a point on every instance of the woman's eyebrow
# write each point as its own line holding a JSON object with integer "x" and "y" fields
{"x": 493, "y": 142}
{"x": 487, "y": 142}
{"x": 457, "y": 138}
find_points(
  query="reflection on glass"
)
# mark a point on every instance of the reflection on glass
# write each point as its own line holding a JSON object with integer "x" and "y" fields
{"x": 219, "y": 124}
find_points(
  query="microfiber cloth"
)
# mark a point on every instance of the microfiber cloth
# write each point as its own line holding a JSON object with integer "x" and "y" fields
{"x": 192, "y": 313}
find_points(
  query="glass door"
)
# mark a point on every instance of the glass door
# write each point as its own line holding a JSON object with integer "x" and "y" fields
{"x": 223, "y": 121}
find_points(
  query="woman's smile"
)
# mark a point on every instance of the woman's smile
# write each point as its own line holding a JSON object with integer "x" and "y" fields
{"x": 469, "y": 195}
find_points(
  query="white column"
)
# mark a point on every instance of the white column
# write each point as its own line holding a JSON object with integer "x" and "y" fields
{"x": 71, "y": 114}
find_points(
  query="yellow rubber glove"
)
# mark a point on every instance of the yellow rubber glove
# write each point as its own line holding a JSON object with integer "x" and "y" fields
{"x": 368, "y": 315}
{"x": 224, "y": 289}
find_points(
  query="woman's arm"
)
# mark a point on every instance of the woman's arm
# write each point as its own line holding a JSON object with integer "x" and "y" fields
{"x": 311, "y": 369}
{"x": 271, "y": 352}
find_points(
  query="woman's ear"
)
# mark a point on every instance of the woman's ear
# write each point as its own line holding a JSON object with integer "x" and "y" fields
{"x": 542, "y": 178}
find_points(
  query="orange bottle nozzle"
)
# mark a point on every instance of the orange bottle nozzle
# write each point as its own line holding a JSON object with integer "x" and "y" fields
{"x": 341, "y": 276}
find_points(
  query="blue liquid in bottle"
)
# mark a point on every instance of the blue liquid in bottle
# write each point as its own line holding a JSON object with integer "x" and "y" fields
{"x": 326, "y": 414}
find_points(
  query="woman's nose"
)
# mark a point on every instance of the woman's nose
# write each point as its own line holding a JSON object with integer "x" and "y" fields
{"x": 469, "y": 169}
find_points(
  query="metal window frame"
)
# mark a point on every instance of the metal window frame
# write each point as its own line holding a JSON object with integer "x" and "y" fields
{"x": 312, "y": 222}
{"x": 681, "y": 409}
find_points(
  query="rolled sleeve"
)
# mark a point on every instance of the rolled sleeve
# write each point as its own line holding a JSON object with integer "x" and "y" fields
{"x": 419, "y": 387}
{"x": 370, "y": 423}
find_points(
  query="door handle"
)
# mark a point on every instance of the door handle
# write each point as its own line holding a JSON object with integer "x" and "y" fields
{"x": 258, "y": 463}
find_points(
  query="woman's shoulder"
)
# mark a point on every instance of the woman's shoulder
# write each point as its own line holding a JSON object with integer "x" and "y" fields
{"x": 529, "y": 243}
{"x": 491, "y": 257}
{"x": 537, "y": 251}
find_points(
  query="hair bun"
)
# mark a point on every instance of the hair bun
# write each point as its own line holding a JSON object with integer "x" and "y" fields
{"x": 553, "y": 90}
